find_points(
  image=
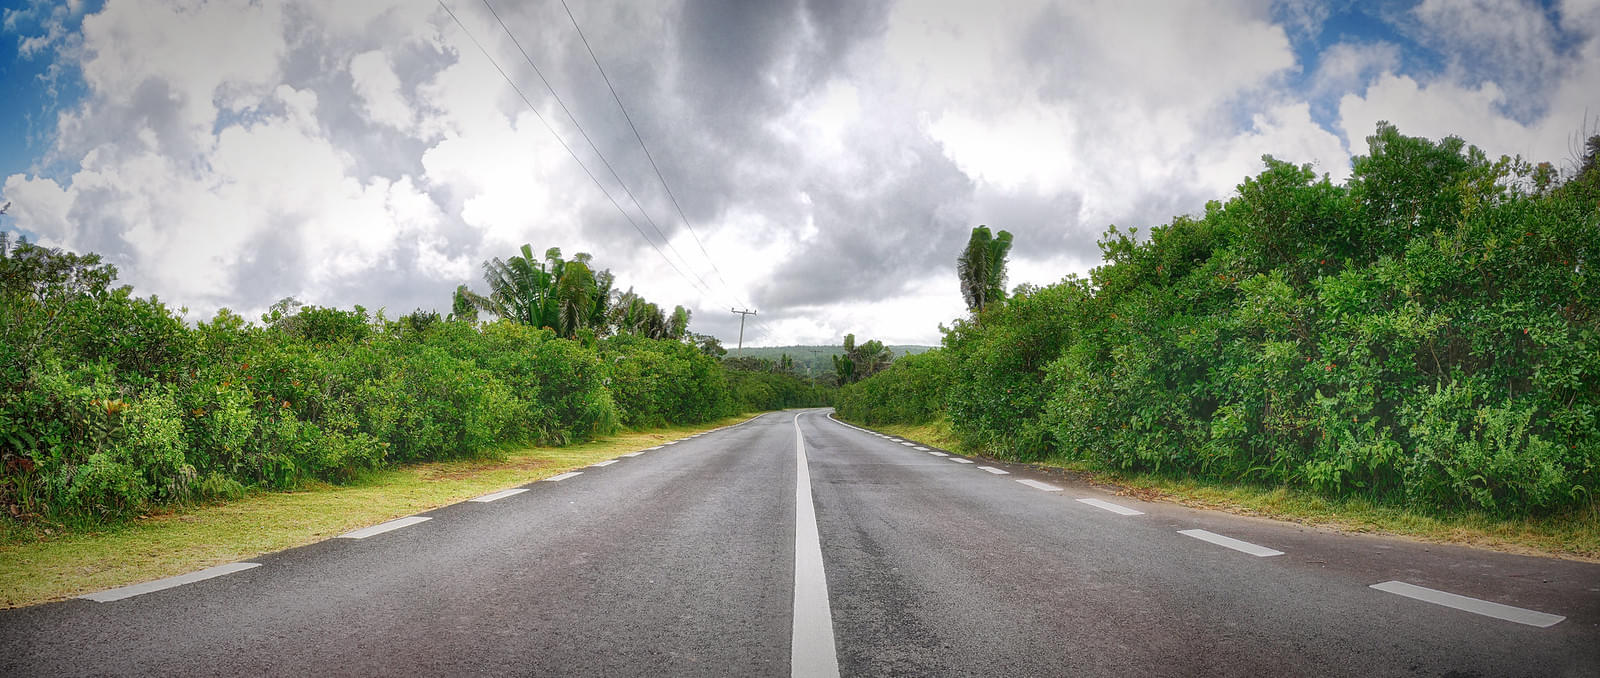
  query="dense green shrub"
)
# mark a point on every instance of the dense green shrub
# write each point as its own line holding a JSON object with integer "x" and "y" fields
{"x": 1425, "y": 333}
{"x": 660, "y": 382}
{"x": 750, "y": 391}
{"x": 110, "y": 402}
{"x": 910, "y": 391}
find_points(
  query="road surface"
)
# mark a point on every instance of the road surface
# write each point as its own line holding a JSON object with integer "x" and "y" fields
{"x": 724, "y": 555}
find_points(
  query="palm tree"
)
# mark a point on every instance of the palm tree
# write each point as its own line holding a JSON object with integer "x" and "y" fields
{"x": 565, "y": 296}
{"x": 982, "y": 268}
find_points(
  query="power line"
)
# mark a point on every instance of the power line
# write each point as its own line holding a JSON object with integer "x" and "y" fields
{"x": 569, "y": 150}
{"x": 615, "y": 97}
{"x": 593, "y": 145}
{"x": 767, "y": 329}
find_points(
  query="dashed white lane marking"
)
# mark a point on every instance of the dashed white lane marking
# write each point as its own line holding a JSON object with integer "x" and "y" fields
{"x": 996, "y": 471}
{"x": 647, "y": 449}
{"x": 937, "y": 454}
{"x": 607, "y": 462}
{"x": 502, "y": 494}
{"x": 1114, "y": 508}
{"x": 159, "y": 584}
{"x": 564, "y": 476}
{"x": 896, "y": 440}
{"x": 811, "y": 646}
{"x": 670, "y": 442}
{"x": 908, "y": 444}
{"x": 381, "y": 528}
{"x": 920, "y": 448}
{"x": 1038, "y": 485}
{"x": 1473, "y": 605}
{"x": 1230, "y": 542}
{"x": 635, "y": 454}
{"x": 959, "y": 460}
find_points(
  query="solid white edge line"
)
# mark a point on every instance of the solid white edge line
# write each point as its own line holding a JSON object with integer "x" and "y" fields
{"x": 959, "y": 460}
{"x": 996, "y": 471}
{"x": 1229, "y": 542}
{"x": 607, "y": 462}
{"x": 1038, "y": 485}
{"x": 381, "y": 528}
{"x": 1474, "y": 605}
{"x": 132, "y": 590}
{"x": 811, "y": 645}
{"x": 502, "y": 494}
{"x": 1114, "y": 508}
{"x": 564, "y": 476}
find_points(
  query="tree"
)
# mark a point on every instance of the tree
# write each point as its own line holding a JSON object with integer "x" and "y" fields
{"x": 708, "y": 345}
{"x": 461, "y": 306}
{"x": 860, "y": 362}
{"x": 982, "y": 268}
{"x": 678, "y": 324}
{"x": 565, "y": 296}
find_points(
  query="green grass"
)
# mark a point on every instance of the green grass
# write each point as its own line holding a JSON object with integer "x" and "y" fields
{"x": 40, "y": 563}
{"x": 1574, "y": 535}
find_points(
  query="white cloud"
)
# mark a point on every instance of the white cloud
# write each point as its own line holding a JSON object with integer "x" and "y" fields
{"x": 232, "y": 152}
{"x": 379, "y": 89}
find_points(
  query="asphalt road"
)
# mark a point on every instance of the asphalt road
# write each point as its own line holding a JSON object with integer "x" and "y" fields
{"x": 702, "y": 558}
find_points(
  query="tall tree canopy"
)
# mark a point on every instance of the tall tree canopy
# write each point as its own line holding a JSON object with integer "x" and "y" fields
{"x": 565, "y": 296}
{"x": 982, "y": 268}
{"x": 861, "y": 361}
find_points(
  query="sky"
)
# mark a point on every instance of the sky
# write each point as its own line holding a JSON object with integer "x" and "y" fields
{"x": 822, "y": 162}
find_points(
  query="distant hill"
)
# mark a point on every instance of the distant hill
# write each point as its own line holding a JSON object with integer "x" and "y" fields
{"x": 819, "y": 359}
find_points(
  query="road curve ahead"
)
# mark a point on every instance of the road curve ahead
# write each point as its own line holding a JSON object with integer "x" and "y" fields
{"x": 796, "y": 545}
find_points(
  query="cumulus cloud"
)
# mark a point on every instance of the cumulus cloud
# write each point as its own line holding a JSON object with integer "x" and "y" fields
{"x": 830, "y": 157}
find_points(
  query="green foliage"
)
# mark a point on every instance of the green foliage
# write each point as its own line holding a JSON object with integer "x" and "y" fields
{"x": 982, "y": 268}
{"x": 110, "y": 403}
{"x": 911, "y": 391}
{"x": 1424, "y": 334}
{"x": 860, "y": 362}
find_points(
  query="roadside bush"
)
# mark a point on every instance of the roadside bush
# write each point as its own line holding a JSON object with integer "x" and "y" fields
{"x": 1423, "y": 334}
{"x": 911, "y": 390}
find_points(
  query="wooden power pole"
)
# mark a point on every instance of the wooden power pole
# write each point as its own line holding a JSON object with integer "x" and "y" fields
{"x": 742, "y": 315}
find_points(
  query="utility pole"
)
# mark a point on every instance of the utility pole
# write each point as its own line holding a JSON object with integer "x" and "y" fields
{"x": 742, "y": 314}
{"x": 811, "y": 365}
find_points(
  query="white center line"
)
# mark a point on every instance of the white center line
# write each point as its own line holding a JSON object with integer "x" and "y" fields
{"x": 937, "y": 454}
{"x": 502, "y": 494}
{"x": 607, "y": 462}
{"x": 1473, "y": 605}
{"x": 1114, "y": 508}
{"x": 381, "y": 528}
{"x": 1038, "y": 485}
{"x": 1230, "y": 542}
{"x": 959, "y": 460}
{"x": 998, "y": 472}
{"x": 920, "y": 448}
{"x": 159, "y": 584}
{"x": 564, "y": 476}
{"x": 811, "y": 646}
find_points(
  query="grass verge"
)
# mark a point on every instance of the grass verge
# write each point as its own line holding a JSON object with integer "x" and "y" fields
{"x": 40, "y": 563}
{"x": 1574, "y": 535}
